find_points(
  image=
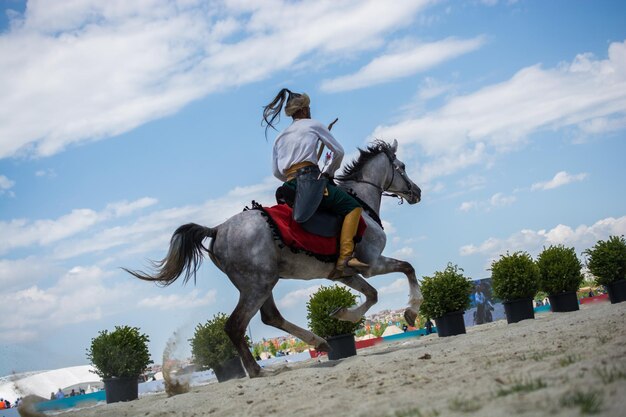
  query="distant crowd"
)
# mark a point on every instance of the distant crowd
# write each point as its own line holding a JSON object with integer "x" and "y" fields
{"x": 4, "y": 404}
{"x": 60, "y": 394}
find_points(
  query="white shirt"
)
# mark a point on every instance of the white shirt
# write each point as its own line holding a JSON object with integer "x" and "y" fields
{"x": 298, "y": 143}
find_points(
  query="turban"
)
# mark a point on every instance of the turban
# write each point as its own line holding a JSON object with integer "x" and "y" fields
{"x": 296, "y": 102}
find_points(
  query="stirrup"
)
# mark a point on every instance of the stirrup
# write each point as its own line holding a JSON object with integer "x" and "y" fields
{"x": 356, "y": 264}
{"x": 351, "y": 263}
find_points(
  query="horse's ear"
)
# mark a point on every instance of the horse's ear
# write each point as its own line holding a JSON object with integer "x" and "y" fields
{"x": 394, "y": 145}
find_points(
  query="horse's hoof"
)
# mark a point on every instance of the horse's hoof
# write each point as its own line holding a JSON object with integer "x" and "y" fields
{"x": 410, "y": 316}
{"x": 261, "y": 374}
{"x": 323, "y": 347}
{"x": 256, "y": 372}
{"x": 271, "y": 372}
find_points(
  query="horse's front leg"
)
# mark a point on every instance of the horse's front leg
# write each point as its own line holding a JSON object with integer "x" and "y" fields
{"x": 354, "y": 314}
{"x": 384, "y": 265}
{"x": 272, "y": 317}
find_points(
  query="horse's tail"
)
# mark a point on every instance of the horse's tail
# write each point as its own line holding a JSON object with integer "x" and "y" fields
{"x": 183, "y": 257}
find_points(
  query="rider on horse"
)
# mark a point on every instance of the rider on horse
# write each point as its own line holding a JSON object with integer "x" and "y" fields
{"x": 295, "y": 159}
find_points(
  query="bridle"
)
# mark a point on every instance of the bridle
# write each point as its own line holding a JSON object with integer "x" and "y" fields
{"x": 401, "y": 173}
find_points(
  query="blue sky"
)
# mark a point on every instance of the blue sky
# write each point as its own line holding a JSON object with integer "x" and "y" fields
{"x": 121, "y": 120}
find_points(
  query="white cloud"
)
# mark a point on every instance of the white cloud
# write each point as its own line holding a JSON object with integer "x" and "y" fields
{"x": 497, "y": 200}
{"x": 153, "y": 231}
{"x": 601, "y": 125}
{"x": 397, "y": 240}
{"x": 560, "y": 178}
{"x": 495, "y": 2}
{"x": 21, "y": 232}
{"x": 533, "y": 241}
{"x": 402, "y": 253}
{"x": 468, "y": 205}
{"x": 46, "y": 173}
{"x": 429, "y": 89}
{"x": 80, "y": 295}
{"x": 124, "y": 208}
{"x": 472, "y": 182}
{"x": 389, "y": 227}
{"x": 5, "y": 183}
{"x": 400, "y": 64}
{"x": 500, "y": 117}
{"x": 437, "y": 187}
{"x": 432, "y": 88}
{"x": 14, "y": 272}
{"x": 78, "y": 71}
{"x": 501, "y": 200}
{"x": 177, "y": 302}
{"x": 297, "y": 297}
{"x": 451, "y": 163}
{"x": 400, "y": 285}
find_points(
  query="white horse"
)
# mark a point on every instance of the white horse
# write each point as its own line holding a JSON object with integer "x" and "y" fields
{"x": 243, "y": 247}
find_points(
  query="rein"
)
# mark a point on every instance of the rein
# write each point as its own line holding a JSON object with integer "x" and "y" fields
{"x": 383, "y": 190}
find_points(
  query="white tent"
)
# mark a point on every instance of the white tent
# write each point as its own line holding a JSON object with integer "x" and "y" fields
{"x": 393, "y": 329}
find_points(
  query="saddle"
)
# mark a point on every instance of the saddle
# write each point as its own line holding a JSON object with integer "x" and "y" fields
{"x": 322, "y": 223}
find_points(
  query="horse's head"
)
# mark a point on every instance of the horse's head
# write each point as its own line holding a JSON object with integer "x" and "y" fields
{"x": 399, "y": 182}
{"x": 378, "y": 166}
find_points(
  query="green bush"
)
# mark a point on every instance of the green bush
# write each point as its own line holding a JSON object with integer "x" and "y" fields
{"x": 121, "y": 353}
{"x": 210, "y": 345}
{"x": 322, "y": 303}
{"x": 541, "y": 295}
{"x": 559, "y": 270}
{"x": 607, "y": 260}
{"x": 514, "y": 276}
{"x": 445, "y": 292}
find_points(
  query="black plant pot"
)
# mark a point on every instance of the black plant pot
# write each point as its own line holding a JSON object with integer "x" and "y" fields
{"x": 121, "y": 389}
{"x": 230, "y": 369}
{"x": 617, "y": 291}
{"x": 450, "y": 324}
{"x": 342, "y": 346}
{"x": 564, "y": 302}
{"x": 518, "y": 310}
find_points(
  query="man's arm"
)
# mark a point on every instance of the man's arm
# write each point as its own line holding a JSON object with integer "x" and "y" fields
{"x": 331, "y": 143}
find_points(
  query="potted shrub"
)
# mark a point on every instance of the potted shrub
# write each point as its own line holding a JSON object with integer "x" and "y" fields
{"x": 212, "y": 349}
{"x": 446, "y": 297}
{"x": 560, "y": 276}
{"x": 119, "y": 358}
{"x": 607, "y": 262}
{"x": 338, "y": 333}
{"x": 515, "y": 279}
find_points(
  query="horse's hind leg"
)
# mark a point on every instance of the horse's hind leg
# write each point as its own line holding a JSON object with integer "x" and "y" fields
{"x": 354, "y": 314}
{"x": 384, "y": 265}
{"x": 272, "y": 317}
{"x": 249, "y": 303}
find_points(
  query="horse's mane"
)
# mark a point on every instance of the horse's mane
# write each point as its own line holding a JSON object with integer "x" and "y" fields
{"x": 351, "y": 170}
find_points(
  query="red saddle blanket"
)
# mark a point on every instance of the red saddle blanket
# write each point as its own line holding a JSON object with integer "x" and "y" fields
{"x": 294, "y": 236}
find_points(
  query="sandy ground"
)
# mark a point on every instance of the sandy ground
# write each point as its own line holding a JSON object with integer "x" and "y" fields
{"x": 551, "y": 366}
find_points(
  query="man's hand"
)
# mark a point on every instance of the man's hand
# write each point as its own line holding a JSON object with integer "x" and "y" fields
{"x": 331, "y": 180}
